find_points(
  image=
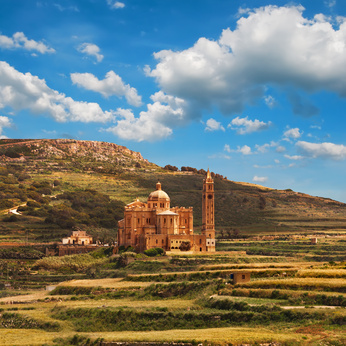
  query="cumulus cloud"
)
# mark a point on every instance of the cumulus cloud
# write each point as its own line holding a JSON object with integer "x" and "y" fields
{"x": 152, "y": 125}
{"x": 112, "y": 84}
{"x": 227, "y": 148}
{"x": 265, "y": 147}
{"x": 24, "y": 91}
{"x": 270, "y": 45}
{"x": 270, "y": 101}
{"x": 4, "y": 122}
{"x": 294, "y": 157}
{"x": 244, "y": 150}
{"x": 213, "y": 125}
{"x": 330, "y": 3}
{"x": 92, "y": 50}
{"x": 244, "y": 125}
{"x": 115, "y": 4}
{"x": 322, "y": 150}
{"x": 257, "y": 179}
{"x": 293, "y": 133}
{"x": 280, "y": 149}
{"x": 20, "y": 41}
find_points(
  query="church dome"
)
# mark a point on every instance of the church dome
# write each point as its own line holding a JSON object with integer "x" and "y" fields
{"x": 158, "y": 194}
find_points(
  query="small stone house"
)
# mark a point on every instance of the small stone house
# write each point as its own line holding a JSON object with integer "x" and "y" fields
{"x": 240, "y": 277}
{"x": 78, "y": 238}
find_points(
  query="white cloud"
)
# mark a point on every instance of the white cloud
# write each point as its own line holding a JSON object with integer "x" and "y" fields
{"x": 24, "y": 91}
{"x": 317, "y": 127}
{"x": 323, "y": 150}
{"x": 294, "y": 157}
{"x": 115, "y": 4}
{"x": 265, "y": 167}
{"x": 20, "y": 41}
{"x": 280, "y": 149}
{"x": 277, "y": 161}
{"x": 265, "y": 147}
{"x": 153, "y": 125}
{"x": 4, "y": 122}
{"x": 92, "y": 50}
{"x": 245, "y": 150}
{"x": 112, "y": 84}
{"x": 270, "y": 101}
{"x": 271, "y": 45}
{"x": 293, "y": 133}
{"x": 259, "y": 179}
{"x": 330, "y": 3}
{"x": 68, "y": 8}
{"x": 213, "y": 125}
{"x": 244, "y": 126}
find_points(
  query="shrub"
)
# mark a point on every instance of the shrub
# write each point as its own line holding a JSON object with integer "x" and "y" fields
{"x": 160, "y": 251}
{"x": 151, "y": 252}
{"x": 33, "y": 204}
{"x": 5, "y": 204}
{"x": 171, "y": 168}
{"x": 12, "y": 218}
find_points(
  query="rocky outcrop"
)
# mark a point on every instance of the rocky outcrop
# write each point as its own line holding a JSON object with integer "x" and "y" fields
{"x": 65, "y": 148}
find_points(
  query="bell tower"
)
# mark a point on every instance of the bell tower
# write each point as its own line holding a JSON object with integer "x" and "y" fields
{"x": 208, "y": 222}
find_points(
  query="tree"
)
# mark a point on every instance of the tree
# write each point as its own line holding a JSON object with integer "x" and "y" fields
{"x": 185, "y": 246}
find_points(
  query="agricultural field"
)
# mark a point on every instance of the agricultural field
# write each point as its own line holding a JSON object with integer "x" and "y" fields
{"x": 296, "y": 296}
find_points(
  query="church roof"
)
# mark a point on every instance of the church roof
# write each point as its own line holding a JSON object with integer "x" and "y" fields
{"x": 167, "y": 212}
{"x": 158, "y": 194}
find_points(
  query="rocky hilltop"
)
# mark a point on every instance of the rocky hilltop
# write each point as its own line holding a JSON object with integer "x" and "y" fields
{"x": 69, "y": 154}
{"x": 64, "y": 148}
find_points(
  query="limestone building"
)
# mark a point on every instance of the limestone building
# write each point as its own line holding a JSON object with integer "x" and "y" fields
{"x": 78, "y": 237}
{"x": 156, "y": 224}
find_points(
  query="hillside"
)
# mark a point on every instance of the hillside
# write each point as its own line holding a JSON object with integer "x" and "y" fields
{"x": 64, "y": 183}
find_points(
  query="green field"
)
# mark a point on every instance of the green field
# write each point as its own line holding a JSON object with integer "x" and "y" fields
{"x": 292, "y": 299}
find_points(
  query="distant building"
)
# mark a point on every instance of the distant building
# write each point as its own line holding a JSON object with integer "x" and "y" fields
{"x": 78, "y": 237}
{"x": 79, "y": 242}
{"x": 240, "y": 277}
{"x": 313, "y": 241}
{"x": 156, "y": 224}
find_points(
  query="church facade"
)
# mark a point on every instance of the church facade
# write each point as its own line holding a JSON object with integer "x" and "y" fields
{"x": 156, "y": 224}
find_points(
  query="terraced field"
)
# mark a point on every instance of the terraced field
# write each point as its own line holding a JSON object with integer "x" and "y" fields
{"x": 294, "y": 297}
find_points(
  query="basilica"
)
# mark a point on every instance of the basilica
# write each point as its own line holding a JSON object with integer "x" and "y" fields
{"x": 156, "y": 224}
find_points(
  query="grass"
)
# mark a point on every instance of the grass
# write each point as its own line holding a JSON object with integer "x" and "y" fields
{"x": 111, "y": 283}
{"x": 322, "y": 284}
{"x": 179, "y": 304}
{"x": 214, "y": 335}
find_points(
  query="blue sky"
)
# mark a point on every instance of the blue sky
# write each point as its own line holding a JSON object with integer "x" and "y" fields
{"x": 255, "y": 90}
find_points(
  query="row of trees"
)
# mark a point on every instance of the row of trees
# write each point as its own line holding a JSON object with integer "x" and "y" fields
{"x": 193, "y": 170}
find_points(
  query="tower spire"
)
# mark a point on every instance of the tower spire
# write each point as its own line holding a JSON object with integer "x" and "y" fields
{"x": 208, "y": 222}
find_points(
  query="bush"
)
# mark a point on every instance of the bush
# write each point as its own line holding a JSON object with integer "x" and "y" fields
{"x": 151, "y": 252}
{"x": 160, "y": 251}
{"x": 33, "y": 204}
{"x": 171, "y": 168}
{"x": 6, "y": 204}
